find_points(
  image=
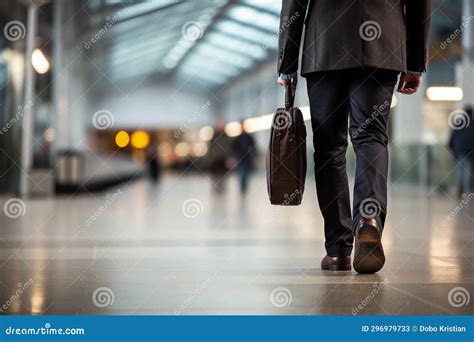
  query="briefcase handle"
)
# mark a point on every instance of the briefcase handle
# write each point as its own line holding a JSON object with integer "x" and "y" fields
{"x": 289, "y": 95}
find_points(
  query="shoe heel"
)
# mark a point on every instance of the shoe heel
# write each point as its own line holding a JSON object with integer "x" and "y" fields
{"x": 339, "y": 268}
{"x": 371, "y": 257}
{"x": 369, "y": 235}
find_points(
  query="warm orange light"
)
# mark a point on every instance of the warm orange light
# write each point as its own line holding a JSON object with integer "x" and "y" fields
{"x": 199, "y": 149}
{"x": 122, "y": 139}
{"x": 182, "y": 149}
{"x": 206, "y": 133}
{"x": 140, "y": 139}
{"x": 233, "y": 129}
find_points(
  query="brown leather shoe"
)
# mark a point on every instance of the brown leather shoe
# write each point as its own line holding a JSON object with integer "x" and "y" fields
{"x": 336, "y": 263}
{"x": 368, "y": 253}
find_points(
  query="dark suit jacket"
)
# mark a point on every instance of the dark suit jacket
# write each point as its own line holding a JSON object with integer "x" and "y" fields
{"x": 342, "y": 34}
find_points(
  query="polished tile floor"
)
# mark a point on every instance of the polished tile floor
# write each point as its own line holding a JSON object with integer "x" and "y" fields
{"x": 176, "y": 248}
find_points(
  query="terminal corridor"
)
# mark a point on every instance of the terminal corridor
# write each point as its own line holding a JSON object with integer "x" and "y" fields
{"x": 134, "y": 138}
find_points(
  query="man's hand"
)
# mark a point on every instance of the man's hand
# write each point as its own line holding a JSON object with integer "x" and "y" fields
{"x": 294, "y": 82}
{"x": 409, "y": 83}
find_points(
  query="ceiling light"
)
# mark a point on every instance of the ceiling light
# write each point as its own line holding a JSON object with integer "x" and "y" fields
{"x": 444, "y": 93}
{"x": 39, "y": 62}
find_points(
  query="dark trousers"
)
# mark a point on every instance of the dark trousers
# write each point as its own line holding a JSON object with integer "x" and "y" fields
{"x": 364, "y": 96}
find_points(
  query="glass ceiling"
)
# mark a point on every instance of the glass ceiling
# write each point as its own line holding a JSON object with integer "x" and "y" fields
{"x": 207, "y": 42}
{"x": 204, "y": 42}
{"x": 243, "y": 36}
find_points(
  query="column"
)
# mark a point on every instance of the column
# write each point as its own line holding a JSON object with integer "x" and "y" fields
{"x": 27, "y": 122}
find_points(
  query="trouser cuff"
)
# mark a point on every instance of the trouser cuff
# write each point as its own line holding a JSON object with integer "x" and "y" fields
{"x": 339, "y": 251}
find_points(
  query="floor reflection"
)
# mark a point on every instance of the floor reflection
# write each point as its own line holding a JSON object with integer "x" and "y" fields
{"x": 177, "y": 248}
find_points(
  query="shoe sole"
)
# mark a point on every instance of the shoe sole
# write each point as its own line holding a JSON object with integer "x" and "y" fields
{"x": 370, "y": 258}
{"x": 337, "y": 268}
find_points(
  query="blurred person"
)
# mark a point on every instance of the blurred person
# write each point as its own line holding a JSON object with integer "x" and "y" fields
{"x": 353, "y": 53}
{"x": 244, "y": 153}
{"x": 153, "y": 162}
{"x": 462, "y": 145}
{"x": 219, "y": 155}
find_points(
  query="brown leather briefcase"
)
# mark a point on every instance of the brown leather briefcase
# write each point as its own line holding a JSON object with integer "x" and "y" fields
{"x": 286, "y": 156}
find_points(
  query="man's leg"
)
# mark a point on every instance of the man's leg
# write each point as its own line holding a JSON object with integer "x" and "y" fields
{"x": 370, "y": 100}
{"x": 328, "y": 96}
{"x": 243, "y": 172}
{"x": 460, "y": 173}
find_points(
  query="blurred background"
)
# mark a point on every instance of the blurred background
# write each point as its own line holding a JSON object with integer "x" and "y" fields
{"x": 158, "y": 99}
{"x": 163, "y": 71}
